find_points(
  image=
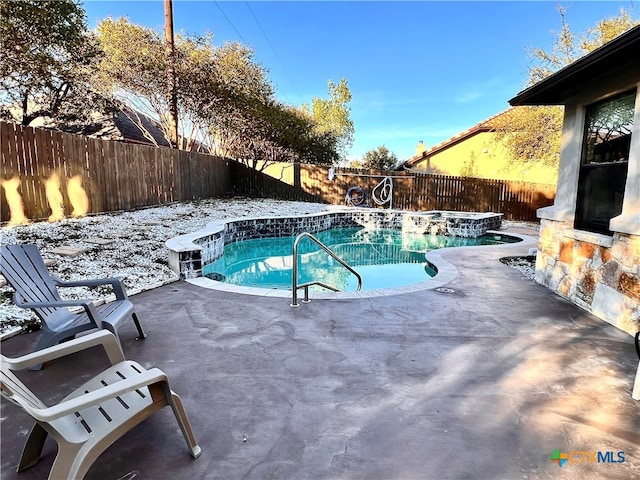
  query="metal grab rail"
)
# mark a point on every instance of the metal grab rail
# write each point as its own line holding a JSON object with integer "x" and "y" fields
{"x": 296, "y": 287}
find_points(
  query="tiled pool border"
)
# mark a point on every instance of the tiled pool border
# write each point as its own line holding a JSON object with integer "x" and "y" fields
{"x": 188, "y": 253}
{"x": 446, "y": 273}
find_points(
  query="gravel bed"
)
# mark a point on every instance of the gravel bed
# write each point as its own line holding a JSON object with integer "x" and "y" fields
{"x": 526, "y": 265}
{"x": 137, "y": 253}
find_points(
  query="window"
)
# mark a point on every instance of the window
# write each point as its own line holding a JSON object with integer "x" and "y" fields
{"x": 604, "y": 162}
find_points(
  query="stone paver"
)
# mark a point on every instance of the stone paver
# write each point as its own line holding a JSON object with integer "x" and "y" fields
{"x": 68, "y": 251}
{"x": 99, "y": 241}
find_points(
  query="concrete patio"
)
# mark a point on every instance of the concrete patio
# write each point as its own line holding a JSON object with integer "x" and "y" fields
{"x": 482, "y": 381}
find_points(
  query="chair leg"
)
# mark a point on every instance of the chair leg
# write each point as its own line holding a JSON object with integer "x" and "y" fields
{"x": 141, "y": 334}
{"x": 32, "y": 447}
{"x": 185, "y": 426}
{"x": 67, "y": 462}
{"x": 47, "y": 339}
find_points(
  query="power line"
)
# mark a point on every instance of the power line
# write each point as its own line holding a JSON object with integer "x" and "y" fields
{"x": 274, "y": 51}
{"x": 230, "y": 23}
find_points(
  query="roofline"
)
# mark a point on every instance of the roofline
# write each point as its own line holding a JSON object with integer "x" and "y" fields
{"x": 534, "y": 95}
{"x": 448, "y": 143}
{"x": 482, "y": 127}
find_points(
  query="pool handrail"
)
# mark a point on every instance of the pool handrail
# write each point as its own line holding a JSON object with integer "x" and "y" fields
{"x": 295, "y": 286}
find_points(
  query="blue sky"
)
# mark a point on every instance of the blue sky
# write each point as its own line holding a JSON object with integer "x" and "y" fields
{"x": 418, "y": 70}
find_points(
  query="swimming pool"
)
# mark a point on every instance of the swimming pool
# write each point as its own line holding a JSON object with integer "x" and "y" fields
{"x": 383, "y": 257}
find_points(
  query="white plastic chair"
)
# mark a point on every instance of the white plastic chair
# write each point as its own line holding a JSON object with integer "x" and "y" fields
{"x": 91, "y": 418}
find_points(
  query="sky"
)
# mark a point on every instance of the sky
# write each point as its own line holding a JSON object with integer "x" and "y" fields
{"x": 417, "y": 70}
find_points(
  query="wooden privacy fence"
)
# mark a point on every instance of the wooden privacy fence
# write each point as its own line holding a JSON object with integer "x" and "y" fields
{"x": 248, "y": 181}
{"x": 49, "y": 171}
{"x": 48, "y": 174}
{"x": 418, "y": 191}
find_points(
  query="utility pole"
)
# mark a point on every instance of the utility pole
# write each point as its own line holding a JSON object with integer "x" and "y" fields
{"x": 172, "y": 95}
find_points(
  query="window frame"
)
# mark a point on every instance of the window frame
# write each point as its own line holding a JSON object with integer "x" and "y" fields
{"x": 612, "y": 173}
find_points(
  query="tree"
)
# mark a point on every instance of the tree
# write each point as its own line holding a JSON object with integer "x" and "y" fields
{"x": 332, "y": 116}
{"x": 132, "y": 70}
{"x": 232, "y": 94}
{"x": 221, "y": 91}
{"x": 47, "y": 62}
{"x": 273, "y": 132}
{"x": 569, "y": 47}
{"x": 606, "y": 30}
{"x": 296, "y": 135}
{"x": 225, "y": 98}
{"x": 469, "y": 167}
{"x": 380, "y": 159}
{"x": 532, "y": 134}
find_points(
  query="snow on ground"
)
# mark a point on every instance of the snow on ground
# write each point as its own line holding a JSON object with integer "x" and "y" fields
{"x": 526, "y": 265}
{"x": 138, "y": 253}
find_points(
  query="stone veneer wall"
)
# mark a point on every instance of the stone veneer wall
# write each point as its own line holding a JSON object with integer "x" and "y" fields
{"x": 604, "y": 280}
{"x": 209, "y": 246}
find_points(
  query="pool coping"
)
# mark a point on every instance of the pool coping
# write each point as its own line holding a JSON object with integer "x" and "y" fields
{"x": 446, "y": 273}
{"x": 190, "y": 252}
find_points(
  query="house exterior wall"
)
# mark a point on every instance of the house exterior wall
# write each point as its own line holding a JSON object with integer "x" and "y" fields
{"x": 489, "y": 162}
{"x": 600, "y": 273}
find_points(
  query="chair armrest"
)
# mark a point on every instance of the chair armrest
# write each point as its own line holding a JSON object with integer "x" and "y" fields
{"x": 116, "y": 283}
{"x": 88, "y": 306}
{"x": 103, "y": 337}
{"x": 95, "y": 397}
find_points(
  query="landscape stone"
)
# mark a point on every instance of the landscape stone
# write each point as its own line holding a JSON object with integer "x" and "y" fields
{"x": 99, "y": 241}
{"x": 68, "y": 251}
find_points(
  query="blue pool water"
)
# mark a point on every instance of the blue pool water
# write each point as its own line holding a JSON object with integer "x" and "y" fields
{"x": 384, "y": 259}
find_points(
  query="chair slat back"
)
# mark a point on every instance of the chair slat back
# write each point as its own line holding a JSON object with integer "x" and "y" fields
{"x": 24, "y": 269}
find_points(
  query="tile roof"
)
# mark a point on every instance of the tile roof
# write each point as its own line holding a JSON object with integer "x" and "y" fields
{"x": 125, "y": 125}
